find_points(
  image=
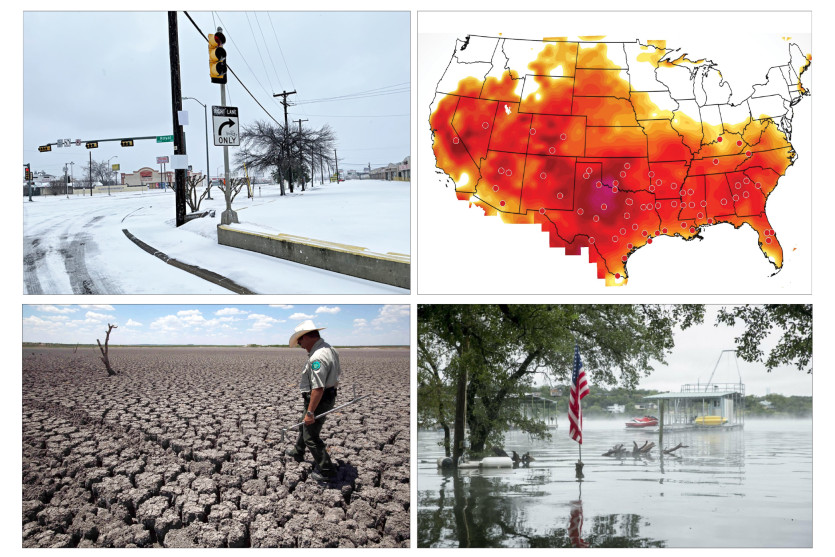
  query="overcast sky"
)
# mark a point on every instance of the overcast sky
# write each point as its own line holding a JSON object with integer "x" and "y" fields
{"x": 105, "y": 75}
{"x": 696, "y": 353}
{"x": 347, "y": 325}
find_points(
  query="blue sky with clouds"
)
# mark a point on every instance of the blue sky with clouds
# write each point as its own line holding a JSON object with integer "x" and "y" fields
{"x": 221, "y": 324}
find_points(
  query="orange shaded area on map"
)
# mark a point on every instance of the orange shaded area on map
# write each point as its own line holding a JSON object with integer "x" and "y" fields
{"x": 598, "y": 165}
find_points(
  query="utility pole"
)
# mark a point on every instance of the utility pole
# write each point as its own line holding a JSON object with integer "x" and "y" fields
{"x": 91, "y": 174}
{"x": 284, "y": 102}
{"x": 177, "y": 106}
{"x": 301, "y": 155}
{"x": 336, "y": 162}
{"x": 206, "y": 125}
{"x": 321, "y": 169}
{"x": 29, "y": 178}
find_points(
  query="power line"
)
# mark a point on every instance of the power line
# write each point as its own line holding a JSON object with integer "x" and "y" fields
{"x": 206, "y": 38}
{"x": 258, "y": 48}
{"x": 269, "y": 51}
{"x": 240, "y": 52}
{"x": 354, "y": 115}
{"x": 379, "y": 91}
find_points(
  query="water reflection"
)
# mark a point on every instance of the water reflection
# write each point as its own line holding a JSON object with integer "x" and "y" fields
{"x": 724, "y": 489}
{"x": 486, "y": 511}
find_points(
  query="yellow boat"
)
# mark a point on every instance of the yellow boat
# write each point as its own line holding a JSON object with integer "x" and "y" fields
{"x": 710, "y": 420}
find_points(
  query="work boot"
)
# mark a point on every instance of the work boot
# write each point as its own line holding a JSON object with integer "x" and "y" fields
{"x": 321, "y": 478}
{"x": 297, "y": 456}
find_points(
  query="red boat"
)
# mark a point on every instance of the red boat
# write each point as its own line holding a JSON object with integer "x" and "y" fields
{"x": 643, "y": 421}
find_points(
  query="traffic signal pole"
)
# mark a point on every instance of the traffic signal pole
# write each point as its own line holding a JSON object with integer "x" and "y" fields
{"x": 177, "y": 106}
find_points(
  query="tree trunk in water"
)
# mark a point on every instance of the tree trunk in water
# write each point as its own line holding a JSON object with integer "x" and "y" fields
{"x": 460, "y": 409}
{"x": 460, "y": 416}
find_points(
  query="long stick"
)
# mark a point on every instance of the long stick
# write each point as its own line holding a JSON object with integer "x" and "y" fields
{"x": 283, "y": 431}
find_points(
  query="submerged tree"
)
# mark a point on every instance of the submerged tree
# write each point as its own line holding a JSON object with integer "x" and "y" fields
{"x": 792, "y": 321}
{"x": 486, "y": 357}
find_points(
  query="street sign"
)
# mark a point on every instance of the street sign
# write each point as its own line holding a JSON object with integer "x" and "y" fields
{"x": 161, "y": 160}
{"x": 115, "y": 167}
{"x": 225, "y": 126}
{"x": 165, "y": 138}
{"x": 78, "y": 143}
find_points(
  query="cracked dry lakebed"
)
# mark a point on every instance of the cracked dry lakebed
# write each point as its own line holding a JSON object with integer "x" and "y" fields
{"x": 183, "y": 449}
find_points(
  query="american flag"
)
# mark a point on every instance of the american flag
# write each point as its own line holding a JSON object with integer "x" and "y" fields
{"x": 575, "y": 525}
{"x": 579, "y": 389}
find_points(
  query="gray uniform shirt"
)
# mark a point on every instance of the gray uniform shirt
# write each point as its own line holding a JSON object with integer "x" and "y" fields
{"x": 322, "y": 368}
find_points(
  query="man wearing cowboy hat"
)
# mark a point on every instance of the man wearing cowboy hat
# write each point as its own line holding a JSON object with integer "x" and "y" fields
{"x": 318, "y": 385}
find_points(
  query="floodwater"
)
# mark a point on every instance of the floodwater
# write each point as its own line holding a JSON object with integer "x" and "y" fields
{"x": 741, "y": 488}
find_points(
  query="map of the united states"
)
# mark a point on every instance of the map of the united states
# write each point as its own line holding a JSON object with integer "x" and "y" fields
{"x": 608, "y": 145}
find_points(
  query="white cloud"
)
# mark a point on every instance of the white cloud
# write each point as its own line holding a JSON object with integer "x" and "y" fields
{"x": 168, "y": 323}
{"x": 326, "y": 309}
{"x": 281, "y": 306}
{"x": 391, "y": 314}
{"x": 132, "y": 323}
{"x": 93, "y": 316}
{"x": 299, "y": 316}
{"x": 262, "y": 322}
{"x": 191, "y": 316}
{"x": 360, "y": 322}
{"x": 56, "y": 309}
{"x": 35, "y": 321}
{"x": 231, "y": 311}
{"x": 103, "y": 307}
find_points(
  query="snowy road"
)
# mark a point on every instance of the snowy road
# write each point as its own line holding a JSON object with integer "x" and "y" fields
{"x": 77, "y": 246}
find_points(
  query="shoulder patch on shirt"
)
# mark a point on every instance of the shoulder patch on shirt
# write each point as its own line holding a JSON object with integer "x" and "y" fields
{"x": 315, "y": 365}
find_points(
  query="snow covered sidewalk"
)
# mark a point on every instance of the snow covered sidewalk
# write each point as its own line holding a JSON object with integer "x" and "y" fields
{"x": 76, "y": 245}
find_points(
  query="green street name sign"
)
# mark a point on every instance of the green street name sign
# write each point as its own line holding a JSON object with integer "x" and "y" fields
{"x": 165, "y": 138}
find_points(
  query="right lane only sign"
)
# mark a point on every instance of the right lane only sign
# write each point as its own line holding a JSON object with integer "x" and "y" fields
{"x": 225, "y": 126}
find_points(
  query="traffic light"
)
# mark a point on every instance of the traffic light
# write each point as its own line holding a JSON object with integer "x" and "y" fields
{"x": 127, "y": 143}
{"x": 217, "y": 57}
{"x": 27, "y": 173}
{"x": 45, "y": 148}
{"x": 92, "y": 144}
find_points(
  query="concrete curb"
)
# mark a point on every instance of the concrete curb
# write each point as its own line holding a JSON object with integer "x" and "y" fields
{"x": 210, "y": 276}
{"x": 356, "y": 261}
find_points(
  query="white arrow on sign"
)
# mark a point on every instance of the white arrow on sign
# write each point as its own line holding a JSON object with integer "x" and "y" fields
{"x": 225, "y": 126}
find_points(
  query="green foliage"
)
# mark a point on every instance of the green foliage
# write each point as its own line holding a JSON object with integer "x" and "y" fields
{"x": 792, "y": 321}
{"x": 778, "y": 406}
{"x": 501, "y": 348}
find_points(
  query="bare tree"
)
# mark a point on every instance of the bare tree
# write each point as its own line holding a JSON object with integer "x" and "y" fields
{"x": 192, "y": 184}
{"x": 230, "y": 191}
{"x": 266, "y": 147}
{"x": 102, "y": 172}
{"x": 104, "y": 357}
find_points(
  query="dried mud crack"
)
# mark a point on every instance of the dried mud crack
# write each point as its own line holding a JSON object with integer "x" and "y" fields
{"x": 182, "y": 450}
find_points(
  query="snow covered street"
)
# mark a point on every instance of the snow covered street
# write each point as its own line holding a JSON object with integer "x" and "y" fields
{"x": 77, "y": 245}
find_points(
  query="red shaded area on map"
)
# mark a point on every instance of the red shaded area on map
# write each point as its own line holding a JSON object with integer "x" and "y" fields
{"x": 573, "y": 147}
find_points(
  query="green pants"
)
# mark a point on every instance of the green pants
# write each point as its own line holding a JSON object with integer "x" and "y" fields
{"x": 309, "y": 434}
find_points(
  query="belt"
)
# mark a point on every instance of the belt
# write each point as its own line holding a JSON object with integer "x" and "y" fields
{"x": 327, "y": 391}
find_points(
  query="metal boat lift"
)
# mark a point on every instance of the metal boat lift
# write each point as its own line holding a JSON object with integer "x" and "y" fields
{"x": 709, "y": 406}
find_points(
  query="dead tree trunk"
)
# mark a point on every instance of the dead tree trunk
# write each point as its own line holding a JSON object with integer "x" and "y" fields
{"x": 104, "y": 349}
{"x": 677, "y": 447}
{"x": 642, "y": 450}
